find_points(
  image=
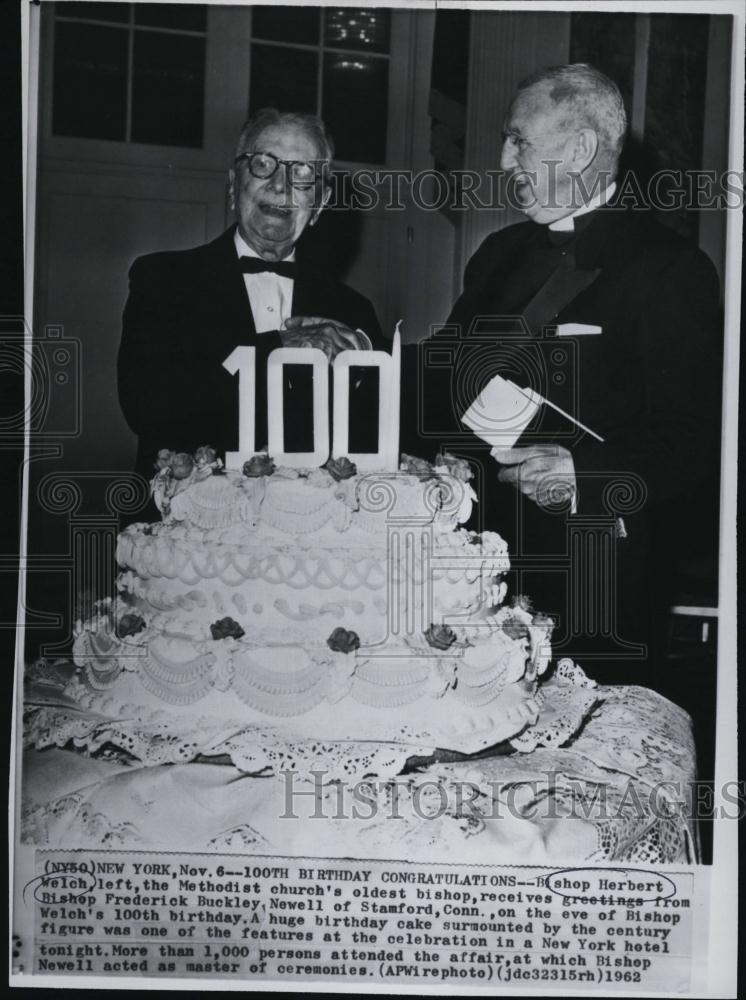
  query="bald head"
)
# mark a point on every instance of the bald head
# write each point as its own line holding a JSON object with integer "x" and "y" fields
{"x": 580, "y": 96}
{"x": 562, "y": 138}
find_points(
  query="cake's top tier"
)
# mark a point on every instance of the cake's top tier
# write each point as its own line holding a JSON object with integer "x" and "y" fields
{"x": 315, "y": 503}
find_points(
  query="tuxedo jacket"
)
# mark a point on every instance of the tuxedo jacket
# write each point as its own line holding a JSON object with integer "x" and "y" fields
{"x": 186, "y": 312}
{"x": 643, "y": 370}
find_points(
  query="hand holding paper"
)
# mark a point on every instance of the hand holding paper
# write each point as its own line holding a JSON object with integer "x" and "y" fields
{"x": 502, "y": 411}
{"x": 544, "y": 473}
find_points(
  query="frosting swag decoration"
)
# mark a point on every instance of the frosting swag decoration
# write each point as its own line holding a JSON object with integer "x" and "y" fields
{"x": 302, "y": 558}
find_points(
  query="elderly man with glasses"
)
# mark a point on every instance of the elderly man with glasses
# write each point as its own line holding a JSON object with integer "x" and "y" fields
{"x": 188, "y": 310}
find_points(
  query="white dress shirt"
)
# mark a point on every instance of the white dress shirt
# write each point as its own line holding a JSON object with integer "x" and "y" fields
{"x": 270, "y": 294}
{"x": 600, "y": 198}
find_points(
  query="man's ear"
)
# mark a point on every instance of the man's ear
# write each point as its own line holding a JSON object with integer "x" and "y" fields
{"x": 320, "y": 208}
{"x": 585, "y": 149}
{"x": 232, "y": 188}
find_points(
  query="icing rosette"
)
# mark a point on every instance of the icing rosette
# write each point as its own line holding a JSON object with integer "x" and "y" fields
{"x": 182, "y": 465}
{"x": 514, "y": 621}
{"x": 440, "y": 636}
{"x": 164, "y": 459}
{"x": 207, "y": 456}
{"x": 258, "y": 465}
{"x": 459, "y": 468}
{"x": 226, "y": 628}
{"x": 341, "y": 468}
{"x": 206, "y": 463}
{"x": 130, "y": 624}
{"x": 177, "y": 471}
{"x": 418, "y": 467}
{"x": 343, "y": 640}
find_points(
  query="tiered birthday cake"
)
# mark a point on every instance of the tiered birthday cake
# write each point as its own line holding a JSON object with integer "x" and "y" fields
{"x": 331, "y": 604}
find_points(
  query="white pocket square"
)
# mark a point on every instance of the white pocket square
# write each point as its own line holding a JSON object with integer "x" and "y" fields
{"x": 577, "y": 329}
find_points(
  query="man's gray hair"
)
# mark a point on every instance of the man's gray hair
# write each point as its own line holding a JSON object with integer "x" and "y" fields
{"x": 312, "y": 125}
{"x": 590, "y": 100}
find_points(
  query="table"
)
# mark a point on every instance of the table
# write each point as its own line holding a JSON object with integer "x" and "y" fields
{"x": 615, "y": 791}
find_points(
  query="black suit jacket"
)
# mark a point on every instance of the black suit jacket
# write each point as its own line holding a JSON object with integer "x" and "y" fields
{"x": 186, "y": 311}
{"x": 649, "y": 384}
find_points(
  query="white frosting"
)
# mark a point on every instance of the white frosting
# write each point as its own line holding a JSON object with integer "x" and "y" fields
{"x": 290, "y": 558}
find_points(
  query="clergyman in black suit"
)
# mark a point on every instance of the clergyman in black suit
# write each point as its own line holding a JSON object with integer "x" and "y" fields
{"x": 615, "y": 319}
{"x": 188, "y": 310}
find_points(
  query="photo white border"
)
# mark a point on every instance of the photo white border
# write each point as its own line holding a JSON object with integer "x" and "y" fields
{"x": 721, "y": 965}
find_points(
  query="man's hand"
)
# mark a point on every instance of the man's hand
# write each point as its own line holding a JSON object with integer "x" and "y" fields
{"x": 327, "y": 334}
{"x": 544, "y": 473}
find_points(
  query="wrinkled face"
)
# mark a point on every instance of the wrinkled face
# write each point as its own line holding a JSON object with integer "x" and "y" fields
{"x": 537, "y": 154}
{"x": 271, "y": 213}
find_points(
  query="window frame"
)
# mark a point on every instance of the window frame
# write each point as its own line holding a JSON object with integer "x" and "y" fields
{"x": 226, "y": 35}
{"x": 131, "y": 27}
{"x": 398, "y": 82}
{"x": 229, "y": 39}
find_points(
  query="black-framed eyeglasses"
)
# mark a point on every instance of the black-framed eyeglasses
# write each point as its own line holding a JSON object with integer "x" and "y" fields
{"x": 302, "y": 174}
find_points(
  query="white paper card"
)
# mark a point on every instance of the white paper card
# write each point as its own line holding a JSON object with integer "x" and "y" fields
{"x": 501, "y": 412}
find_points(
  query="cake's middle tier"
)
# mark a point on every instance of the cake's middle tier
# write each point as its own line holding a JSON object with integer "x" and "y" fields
{"x": 379, "y": 555}
{"x": 179, "y": 575}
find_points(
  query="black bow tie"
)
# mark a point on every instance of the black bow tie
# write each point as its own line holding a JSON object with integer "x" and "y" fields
{"x": 255, "y": 265}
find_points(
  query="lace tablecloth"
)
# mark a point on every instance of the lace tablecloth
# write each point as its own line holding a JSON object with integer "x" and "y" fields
{"x": 615, "y": 791}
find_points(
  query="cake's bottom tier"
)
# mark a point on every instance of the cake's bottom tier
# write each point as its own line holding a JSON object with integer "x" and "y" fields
{"x": 465, "y": 699}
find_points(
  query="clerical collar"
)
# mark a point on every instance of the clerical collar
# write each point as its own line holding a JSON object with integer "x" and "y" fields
{"x": 567, "y": 224}
{"x": 244, "y": 250}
